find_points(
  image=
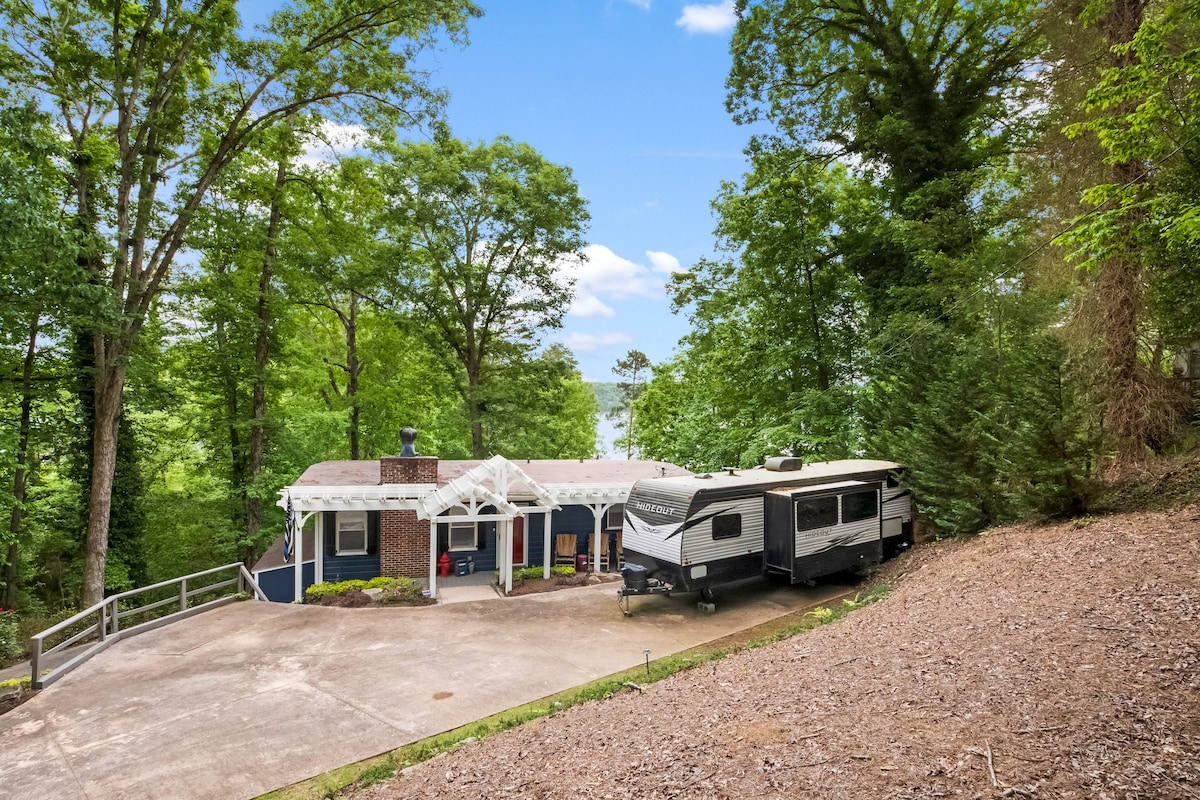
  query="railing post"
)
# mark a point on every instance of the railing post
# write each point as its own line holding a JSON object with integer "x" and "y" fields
{"x": 102, "y": 625}
{"x": 35, "y": 657}
{"x": 183, "y": 594}
{"x": 116, "y": 615}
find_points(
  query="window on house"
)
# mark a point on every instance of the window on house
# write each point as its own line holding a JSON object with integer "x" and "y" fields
{"x": 859, "y": 505}
{"x": 462, "y": 534}
{"x": 351, "y": 533}
{"x": 615, "y": 519}
{"x": 727, "y": 526}
{"x": 819, "y": 512}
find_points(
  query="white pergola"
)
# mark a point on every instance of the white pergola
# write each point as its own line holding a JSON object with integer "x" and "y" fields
{"x": 497, "y": 482}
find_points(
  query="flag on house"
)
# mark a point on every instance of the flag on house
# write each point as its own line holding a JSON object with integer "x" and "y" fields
{"x": 289, "y": 531}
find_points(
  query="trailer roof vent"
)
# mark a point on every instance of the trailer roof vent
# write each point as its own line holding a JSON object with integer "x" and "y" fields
{"x": 784, "y": 464}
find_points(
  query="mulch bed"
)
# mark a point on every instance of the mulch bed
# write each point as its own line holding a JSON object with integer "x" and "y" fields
{"x": 1056, "y": 661}
{"x": 556, "y": 582}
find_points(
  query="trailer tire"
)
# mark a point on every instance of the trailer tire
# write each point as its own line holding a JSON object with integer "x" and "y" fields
{"x": 707, "y": 596}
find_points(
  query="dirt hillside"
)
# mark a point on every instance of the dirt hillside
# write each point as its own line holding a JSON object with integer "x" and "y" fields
{"x": 1042, "y": 662}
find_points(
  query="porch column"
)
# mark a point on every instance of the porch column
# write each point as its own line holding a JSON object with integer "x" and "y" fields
{"x": 508, "y": 553}
{"x": 300, "y": 564}
{"x": 597, "y": 514}
{"x": 547, "y": 554}
{"x": 433, "y": 557}
{"x": 319, "y": 543}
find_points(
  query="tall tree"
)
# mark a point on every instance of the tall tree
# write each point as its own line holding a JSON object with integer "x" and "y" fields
{"x": 478, "y": 232}
{"x": 40, "y": 291}
{"x": 1140, "y": 109}
{"x": 167, "y": 95}
{"x": 913, "y": 90}
{"x": 338, "y": 260}
{"x": 635, "y": 369}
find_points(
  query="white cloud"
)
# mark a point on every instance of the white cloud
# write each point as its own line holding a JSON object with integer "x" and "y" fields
{"x": 642, "y": 4}
{"x": 585, "y": 342}
{"x": 664, "y": 262}
{"x": 602, "y": 277}
{"x": 606, "y": 273}
{"x": 714, "y": 18}
{"x": 588, "y": 306}
{"x": 331, "y": 141}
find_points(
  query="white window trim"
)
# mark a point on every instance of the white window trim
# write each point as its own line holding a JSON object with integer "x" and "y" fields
{"x": 348, "y": 516}
{"x": 461, "y": 526}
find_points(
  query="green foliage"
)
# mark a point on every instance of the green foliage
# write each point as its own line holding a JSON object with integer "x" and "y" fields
{"x": 383, "y": 771}
{"x": 318, "y": 590}
{"x": 11, "y": 647}
{"x": 486, "y": 222}
{"x": 635, "y": 369}
{"x": 399, "y": 591}
{"x": 17, "y": 683}
{"x": 541, "y": 408}
{"x": 535, "y": 573}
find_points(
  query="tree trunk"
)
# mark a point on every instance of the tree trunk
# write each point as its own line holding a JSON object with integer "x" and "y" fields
{"x": 475, "y": 409}
{"x": 352, "y": 370}
{"x": 262, "y": 353}
{"x": 109, "y": 392}
{"x": 12, "y": 570}
{"x": 1119, "y": 285}
{"x": 237, "y": 453}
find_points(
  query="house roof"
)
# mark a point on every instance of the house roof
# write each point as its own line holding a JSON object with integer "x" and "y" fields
{"x": 473, "y": 485}
{"x": 273, "y": 558}
{"x": 543, "y": 471}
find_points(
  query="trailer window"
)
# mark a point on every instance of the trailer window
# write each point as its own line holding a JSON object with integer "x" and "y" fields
{"x": 727, "y": 526}
{"x": 819, "y": 512}
{"x": 860, "y": 505}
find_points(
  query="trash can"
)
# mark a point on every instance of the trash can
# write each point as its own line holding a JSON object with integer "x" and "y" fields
{"x": 581, "y": 564}
{"x": 460, "y": 567}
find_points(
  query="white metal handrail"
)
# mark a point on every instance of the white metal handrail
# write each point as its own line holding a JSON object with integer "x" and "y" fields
{"x": 107, "y": 626}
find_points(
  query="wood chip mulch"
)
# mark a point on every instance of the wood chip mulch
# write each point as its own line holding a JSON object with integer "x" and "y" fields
{"x": 1058, "y": 661}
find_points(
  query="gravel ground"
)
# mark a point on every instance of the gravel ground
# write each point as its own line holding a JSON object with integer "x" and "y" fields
{"x": 1034, "y": 661}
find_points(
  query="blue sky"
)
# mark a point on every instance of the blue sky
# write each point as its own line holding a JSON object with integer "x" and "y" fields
{"x": 630, "y": 95}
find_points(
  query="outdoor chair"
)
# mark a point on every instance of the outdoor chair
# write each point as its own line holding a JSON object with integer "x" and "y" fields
{"x": 606, "y": 554}
{"x": 564, "y": 548}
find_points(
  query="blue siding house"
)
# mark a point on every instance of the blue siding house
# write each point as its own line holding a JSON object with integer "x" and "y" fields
{"x": 402, "y": 515}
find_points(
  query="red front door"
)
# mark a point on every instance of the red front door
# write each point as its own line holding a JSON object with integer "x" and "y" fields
{"x": 518, "y": 533}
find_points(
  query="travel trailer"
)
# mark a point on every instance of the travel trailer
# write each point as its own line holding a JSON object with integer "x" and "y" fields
{"x": 798, "y": 522}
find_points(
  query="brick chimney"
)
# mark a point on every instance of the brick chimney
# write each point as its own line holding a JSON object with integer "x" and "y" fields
{"x": 417, "y": 469}
{"x": 403, "y": 538}
{"x": 408, "y": 467}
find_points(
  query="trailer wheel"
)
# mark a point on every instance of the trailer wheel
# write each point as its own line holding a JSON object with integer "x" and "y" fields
{"x": 707, "y": 596}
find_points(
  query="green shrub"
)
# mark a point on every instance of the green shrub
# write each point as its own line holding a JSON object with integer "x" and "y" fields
{"x": 396, "y": 591}
{"x": 22, "y": 684}
{"x": 401, "y": 591}
{"x": 535, "y": 573}
{"x": 11, "y": 646}
{"x": 319, "y": 590}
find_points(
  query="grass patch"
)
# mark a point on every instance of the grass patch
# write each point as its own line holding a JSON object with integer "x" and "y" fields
{"x": 385, "y": 766}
